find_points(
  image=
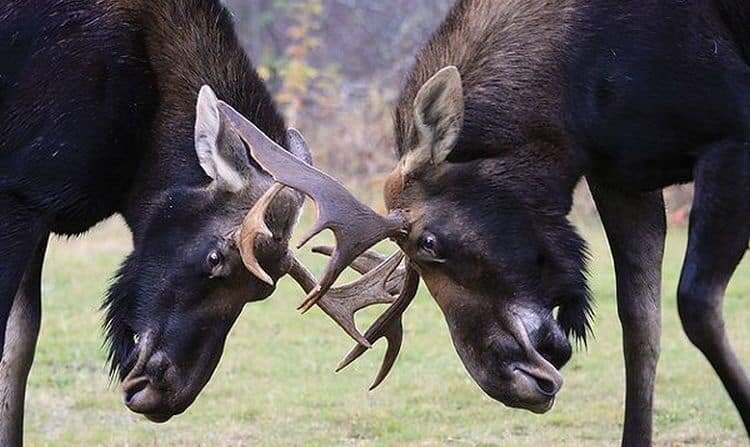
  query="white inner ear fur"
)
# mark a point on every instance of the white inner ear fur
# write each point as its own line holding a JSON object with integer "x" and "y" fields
{"x": 223, "y": 157}
{"x": 439, "y": 115}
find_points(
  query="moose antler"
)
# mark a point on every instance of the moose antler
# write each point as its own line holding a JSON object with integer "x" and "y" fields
{"x": 374, "y": 287}
{"x": 368, "y": 261}
{"x": 253, "y": 225}
{"x": 342, "y": 303}
{"x": 389, "y": 326}
{"x": 355, "y": 227}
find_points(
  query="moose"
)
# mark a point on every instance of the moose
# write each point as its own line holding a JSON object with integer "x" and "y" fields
{"x": 98, "y": 116}
{"x": 508, "y": 106}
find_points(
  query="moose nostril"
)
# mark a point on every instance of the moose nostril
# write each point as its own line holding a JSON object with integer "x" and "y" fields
{"x": 128, "y": 398}
{"x": 557, "y": 351}
{"x": 557, "y": 357}
{"x": 133, "y": 388}
{"x": 546, "y": 387}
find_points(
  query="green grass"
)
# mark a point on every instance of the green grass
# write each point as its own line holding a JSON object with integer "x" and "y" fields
{"x": 275, "y": 385}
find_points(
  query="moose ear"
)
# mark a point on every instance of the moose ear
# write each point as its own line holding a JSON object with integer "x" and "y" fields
{"x": 221, "y": 154}
{"x": 439, "y": 113}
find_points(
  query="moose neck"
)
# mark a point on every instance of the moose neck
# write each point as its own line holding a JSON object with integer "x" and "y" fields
{"x": 510, "y": 55}
{"x": 190, "y": 44}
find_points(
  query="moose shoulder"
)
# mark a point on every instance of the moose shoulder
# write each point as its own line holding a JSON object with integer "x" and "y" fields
{"x": 98, "y": 116}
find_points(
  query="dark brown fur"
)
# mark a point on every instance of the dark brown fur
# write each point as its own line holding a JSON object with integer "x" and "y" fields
{"x": 191, "y": 43}
{"x": 511, "y": 40}
{"x": 98, "y": 117}
{"x": 635, "y": 96}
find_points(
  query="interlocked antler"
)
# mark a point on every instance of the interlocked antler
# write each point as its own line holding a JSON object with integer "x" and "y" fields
{"x": 355, "y": 226}
{"x": 388, "y": 326}
{"x": 374, "y": 287}
{"x": 367, "y": 261}
{"x": 342, "y": 303}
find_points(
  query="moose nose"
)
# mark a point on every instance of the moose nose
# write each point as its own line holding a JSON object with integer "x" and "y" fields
{"x": 554, "y": 345}
{"x": 558, "y": 354}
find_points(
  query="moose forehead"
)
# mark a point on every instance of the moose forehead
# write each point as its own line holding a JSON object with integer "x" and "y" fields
{"x": 192, "y": 209}
{"x": 498, "y": 182}
{"x": 211, "y": 209}
{"x": 470, "y": 207}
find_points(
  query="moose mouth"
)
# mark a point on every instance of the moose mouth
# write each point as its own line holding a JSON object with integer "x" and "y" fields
{"x": 507, "y": 365}
{"x": 533, "y": 393}
{"x": 521, "y": 385}
{"x": 147, "y": 388}
{"x": 135, "y": 385}
{"x": 137, "y": 394}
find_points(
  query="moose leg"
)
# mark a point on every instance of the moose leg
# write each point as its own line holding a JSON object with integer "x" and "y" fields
{"x": 719, "y": 233}
{"x": 20, "y": 344}
{"x": 636, "y": 227}
{"x": 21, "y": 230}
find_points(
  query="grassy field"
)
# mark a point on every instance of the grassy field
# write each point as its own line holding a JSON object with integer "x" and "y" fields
{"x": 275, "y": 385}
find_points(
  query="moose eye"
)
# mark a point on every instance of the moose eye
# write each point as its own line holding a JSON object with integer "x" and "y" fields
{"x": 215, "y": 259}
{"x": 428, "y": 245}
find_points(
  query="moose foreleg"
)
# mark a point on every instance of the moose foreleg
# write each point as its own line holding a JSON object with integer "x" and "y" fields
{"x": 719, "y": 233}
{"x": 636, "y": 228}
{"x": 21, "y": 230}
{"x": 18, "y": 353}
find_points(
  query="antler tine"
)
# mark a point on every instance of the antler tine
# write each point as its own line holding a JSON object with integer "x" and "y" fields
{"x": 355, "y": 226}
{"x": 253, "y": 225}
{"x": 342, "y": 303}
{"x": 388, "y": 326}
{"x": 368, "y": 261}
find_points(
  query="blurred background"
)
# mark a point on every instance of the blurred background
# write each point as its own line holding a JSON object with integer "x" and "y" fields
{"x": 335, "y": 67}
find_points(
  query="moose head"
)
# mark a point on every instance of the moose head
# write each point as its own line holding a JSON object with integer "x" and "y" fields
{"x": 192, "y": 271}
{"x": 507, "y": 276}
